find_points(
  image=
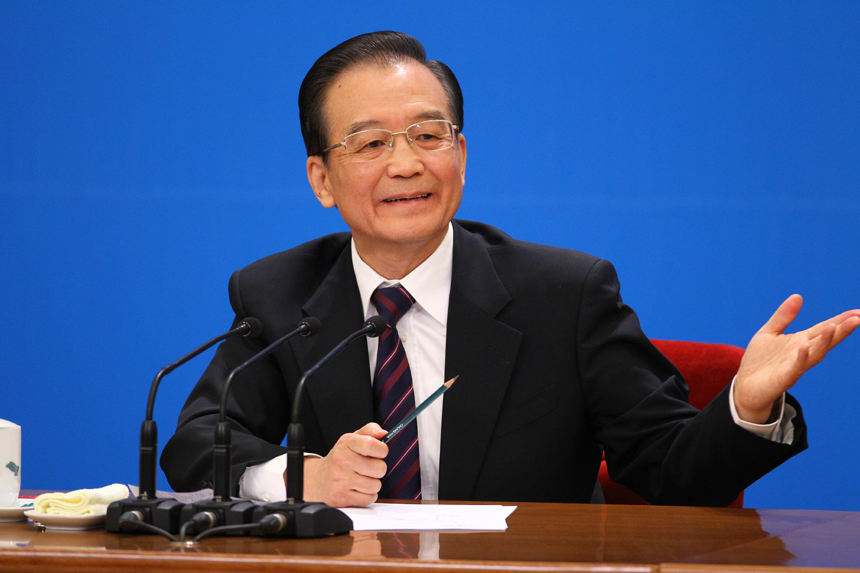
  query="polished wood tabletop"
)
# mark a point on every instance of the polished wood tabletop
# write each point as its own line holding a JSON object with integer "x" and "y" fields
{"x": 540, "y": 537}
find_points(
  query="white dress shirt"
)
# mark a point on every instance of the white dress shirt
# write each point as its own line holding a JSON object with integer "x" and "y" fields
{"x": 423, "y": 331}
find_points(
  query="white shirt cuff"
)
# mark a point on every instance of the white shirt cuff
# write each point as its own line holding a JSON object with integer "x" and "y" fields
{"x": 782, "y": 430}
{"x": 265, "y": 482}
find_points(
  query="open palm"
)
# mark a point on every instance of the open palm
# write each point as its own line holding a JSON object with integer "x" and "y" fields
{"x": 774, "y": 361}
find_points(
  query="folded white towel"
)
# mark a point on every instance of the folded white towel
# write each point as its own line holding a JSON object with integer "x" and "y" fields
{"x": 81, "y": 501}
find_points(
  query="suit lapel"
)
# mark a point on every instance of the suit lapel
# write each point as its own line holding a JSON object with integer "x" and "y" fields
{"x": 340, "y": 394}
{"x": 482, "y": 350}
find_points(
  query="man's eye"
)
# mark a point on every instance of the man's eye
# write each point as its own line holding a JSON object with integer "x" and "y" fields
{"x": 427, "y": 137}
{"x": 370, "y": 146}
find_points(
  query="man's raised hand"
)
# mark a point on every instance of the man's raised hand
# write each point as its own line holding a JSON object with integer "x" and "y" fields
{"x": 774, "y": 361}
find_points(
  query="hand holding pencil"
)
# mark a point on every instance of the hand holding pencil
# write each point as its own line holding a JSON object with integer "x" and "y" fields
{"x": 349, "y": 474}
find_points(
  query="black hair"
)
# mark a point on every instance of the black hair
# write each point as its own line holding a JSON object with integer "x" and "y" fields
{"x": 382, "y": 48}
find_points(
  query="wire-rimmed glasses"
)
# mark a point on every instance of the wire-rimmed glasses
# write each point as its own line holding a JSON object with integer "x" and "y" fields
{"x": 370, "y": 144}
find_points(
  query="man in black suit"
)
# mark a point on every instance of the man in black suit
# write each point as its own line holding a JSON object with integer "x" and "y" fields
{"x": 553, "y": 366}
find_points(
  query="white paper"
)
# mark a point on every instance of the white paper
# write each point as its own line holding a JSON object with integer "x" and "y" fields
{"x": 396, "y": 516}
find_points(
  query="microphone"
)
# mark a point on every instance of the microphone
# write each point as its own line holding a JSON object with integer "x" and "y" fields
{"x": 300, "y": 518}
{"x": 147, "y": 508}
{"x": 373, "y": 327}
{"x": 221, "y": 501}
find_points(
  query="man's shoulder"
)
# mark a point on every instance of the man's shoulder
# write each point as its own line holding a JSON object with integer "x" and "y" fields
{"x": 505, "y": 250}
{"x": 314, "y": 255}
{"x": 292, "y": 274}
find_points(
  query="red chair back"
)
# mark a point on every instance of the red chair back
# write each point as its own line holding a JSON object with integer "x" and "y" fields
{"x": 707, "y": 368}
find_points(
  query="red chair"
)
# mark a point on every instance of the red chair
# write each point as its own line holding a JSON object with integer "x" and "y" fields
{"x": 707, "y": 368}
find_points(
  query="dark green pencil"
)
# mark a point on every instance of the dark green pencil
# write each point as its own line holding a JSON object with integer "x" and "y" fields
{"x": 414, "y": 414}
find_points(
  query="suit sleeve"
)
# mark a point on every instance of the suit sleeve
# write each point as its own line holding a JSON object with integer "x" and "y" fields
{"x": 654, "y": 441}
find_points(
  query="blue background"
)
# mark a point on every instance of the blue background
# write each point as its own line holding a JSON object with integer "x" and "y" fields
{"x": 149, "y": 149}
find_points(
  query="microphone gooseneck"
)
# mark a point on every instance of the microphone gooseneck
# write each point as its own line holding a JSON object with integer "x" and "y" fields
{"x": 222, "y": 510}
{"x": 249, "y": 327}
{"x": 287, "y": 519}
{"x": 147, "y": 508}
{"x": 373, "y": 327}
{"x": 223, "y": 453}
{"x": 295, "y": 517}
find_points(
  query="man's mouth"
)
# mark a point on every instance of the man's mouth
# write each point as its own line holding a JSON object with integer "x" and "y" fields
{"x": 406, "y": 198}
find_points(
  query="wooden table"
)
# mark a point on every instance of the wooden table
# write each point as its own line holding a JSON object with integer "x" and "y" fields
{"x": 540, "y": 537}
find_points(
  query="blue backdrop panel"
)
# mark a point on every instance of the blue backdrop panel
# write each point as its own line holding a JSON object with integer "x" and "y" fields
{"x": 149, "y": 149}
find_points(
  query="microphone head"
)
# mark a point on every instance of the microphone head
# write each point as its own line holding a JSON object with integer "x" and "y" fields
{"x": 313, "y": 324}
{"x": 379, "y": 325}
{"x": 255, "y": 327}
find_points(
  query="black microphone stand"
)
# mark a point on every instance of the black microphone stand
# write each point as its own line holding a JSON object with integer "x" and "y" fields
{"x": 222, "y": 509}
{"x": 127, "y": 515}
{"x": 301, "y": 518}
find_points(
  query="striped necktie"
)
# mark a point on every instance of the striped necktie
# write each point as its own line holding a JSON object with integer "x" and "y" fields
{"x": 392, "y": 388}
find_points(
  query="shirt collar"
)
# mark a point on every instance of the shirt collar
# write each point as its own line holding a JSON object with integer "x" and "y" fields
{"x": 429, "y": 284}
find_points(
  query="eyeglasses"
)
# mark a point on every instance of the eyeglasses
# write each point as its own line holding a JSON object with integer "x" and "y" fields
{"x": 370, "y": 144}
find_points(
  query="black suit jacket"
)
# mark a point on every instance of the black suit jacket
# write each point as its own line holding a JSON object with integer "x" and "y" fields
{"x": 552, "y": 364}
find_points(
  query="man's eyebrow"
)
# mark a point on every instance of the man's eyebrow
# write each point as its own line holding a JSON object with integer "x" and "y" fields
{"x": 435, "y": 114}
{"x": 362, "y": 125}
{"x": 372, "y": 123}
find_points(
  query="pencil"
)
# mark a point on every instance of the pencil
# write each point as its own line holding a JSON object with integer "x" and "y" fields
{"x": 414, "y": 414}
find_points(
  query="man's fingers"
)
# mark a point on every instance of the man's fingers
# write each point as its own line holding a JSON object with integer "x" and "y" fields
{"x": 847, "y": 327}
{"x": 366, "y": 446}
{"x": 826, "y": 340}
{"x": 845, "y": 324}
{"x": 372, "y": 429}
{"x": 371, "y": 467}
{"x": 826, "y": 335}
{"x": 365, "y": 441}
{"x": 356, "y": 479}
{"x": 829, "y": 336}
{"x": 801, "y": 362}
{"x": 784, "y": 315}
{"x": 366, "y": 485}
{"x": 352, "y": 499}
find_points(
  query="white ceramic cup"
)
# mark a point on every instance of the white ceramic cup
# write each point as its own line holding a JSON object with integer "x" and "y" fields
{"x": 10, "y": 463}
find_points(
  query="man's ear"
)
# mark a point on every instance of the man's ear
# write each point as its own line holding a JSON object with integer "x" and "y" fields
{"x": 318, "y": 178}
{"x": 462, "y": 153}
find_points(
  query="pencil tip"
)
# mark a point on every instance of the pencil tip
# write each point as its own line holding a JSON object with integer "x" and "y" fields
{"x": 451, "y": 381}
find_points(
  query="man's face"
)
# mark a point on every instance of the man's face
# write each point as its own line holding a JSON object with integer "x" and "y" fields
{"x": 406, "y": 198}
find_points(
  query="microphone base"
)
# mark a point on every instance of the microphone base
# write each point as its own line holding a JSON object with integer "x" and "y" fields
{"x": 162, "y": 513}
{"x": 233, "y": 512}
{"x": 305, "y": 519}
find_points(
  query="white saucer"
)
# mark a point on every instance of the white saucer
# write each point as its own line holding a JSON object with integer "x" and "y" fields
{"x": 16, "y": 512}
{"x": 65, "y": 522}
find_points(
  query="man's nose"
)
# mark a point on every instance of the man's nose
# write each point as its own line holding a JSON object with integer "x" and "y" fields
{"x": 403, "y": 158}
{"x": 393, "y": 141}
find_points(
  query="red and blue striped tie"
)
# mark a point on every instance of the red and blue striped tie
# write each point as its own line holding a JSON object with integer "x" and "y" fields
{"x": 392, "y": 387}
